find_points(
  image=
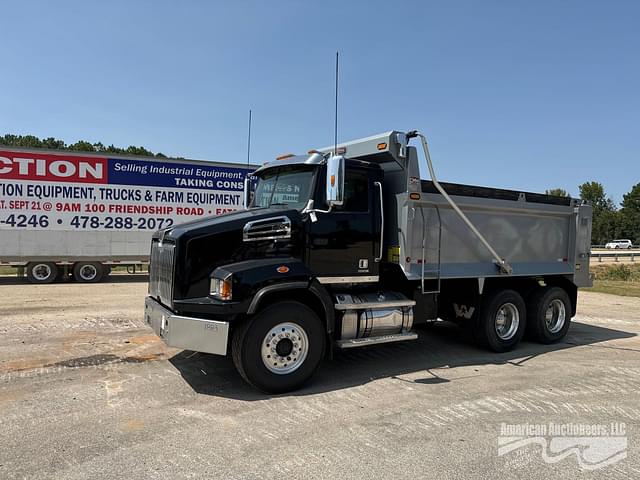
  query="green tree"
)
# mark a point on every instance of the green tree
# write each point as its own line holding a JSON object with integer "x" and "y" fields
{"x": 630, "y": 215}
{"x": 605, "y": 218}
{"x": 53, "y": 143}
{"x": 558, "y": 192}
{"x": 31, "y": 141}
{"x": 82, "y": 146}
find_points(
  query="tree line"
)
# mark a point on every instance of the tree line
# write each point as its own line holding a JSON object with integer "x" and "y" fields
{"x": 31, "y": 141}
{"x": 609, "y": 221}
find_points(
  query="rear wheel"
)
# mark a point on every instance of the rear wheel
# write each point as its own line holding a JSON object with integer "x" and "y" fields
{"x": 501, "y": 321}
{"x": 88, "y": 272}
{"x": 42, "y": 272}
{"x": 280, "y": 348}
{"x": 549, "y": 314}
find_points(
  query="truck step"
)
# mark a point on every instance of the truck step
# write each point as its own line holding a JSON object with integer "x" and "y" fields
{"x": 375, "y": 305}
{"x": 363, "y": 342}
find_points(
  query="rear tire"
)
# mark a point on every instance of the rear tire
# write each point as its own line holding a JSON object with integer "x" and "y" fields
{"x": 42, "y": 272}
{"x": 88, "y": 272}
{"x": 501, "y": 321}
{"x": 280, "y": 348}
{"x": 549, "y": 315}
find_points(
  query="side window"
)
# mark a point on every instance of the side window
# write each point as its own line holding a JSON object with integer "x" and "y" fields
{"x": 356, "y": 192}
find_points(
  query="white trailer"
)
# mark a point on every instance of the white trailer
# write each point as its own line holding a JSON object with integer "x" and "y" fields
{"x": 67, "y": 213}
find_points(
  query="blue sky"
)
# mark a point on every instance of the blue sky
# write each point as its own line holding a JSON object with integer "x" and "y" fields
{"x": 516, "y": 94}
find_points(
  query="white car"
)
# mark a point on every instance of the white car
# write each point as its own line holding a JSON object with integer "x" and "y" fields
{"x": 619, "y": 244}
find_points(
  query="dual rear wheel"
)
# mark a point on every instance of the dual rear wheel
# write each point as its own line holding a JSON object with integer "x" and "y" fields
{"x": 504, "y": 318}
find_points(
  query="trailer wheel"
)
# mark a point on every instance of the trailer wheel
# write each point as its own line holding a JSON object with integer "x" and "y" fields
{"x": 280, "y": 348}
{"x": 501, "y": 322}
{"x": 88, "y": 272}
{"x": 549, "y": 314}
{"x": 42, "y": 272}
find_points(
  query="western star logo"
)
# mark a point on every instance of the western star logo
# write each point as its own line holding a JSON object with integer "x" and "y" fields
{"x": 52, "y": 168}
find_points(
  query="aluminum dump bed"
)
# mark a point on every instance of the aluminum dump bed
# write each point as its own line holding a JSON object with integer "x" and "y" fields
{"x": 536, "y": 234}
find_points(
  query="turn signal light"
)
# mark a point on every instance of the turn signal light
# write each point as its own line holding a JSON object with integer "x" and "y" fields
{"x": 382, "y": 146}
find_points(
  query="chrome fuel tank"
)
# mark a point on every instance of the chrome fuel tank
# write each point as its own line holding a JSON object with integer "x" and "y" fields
{"x": 374, "y": 314}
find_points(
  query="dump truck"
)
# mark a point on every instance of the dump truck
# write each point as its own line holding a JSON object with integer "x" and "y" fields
{"x": 69, "y": 214}
{"x": 348, "y": 247}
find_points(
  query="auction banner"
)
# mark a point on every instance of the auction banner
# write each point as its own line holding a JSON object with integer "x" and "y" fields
{"x": 87, "y": 193}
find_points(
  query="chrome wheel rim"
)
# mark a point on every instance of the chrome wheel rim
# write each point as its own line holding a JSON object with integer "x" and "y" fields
{"x": 507, "y": 321}
{"x": 284, "y": 348}
{"x": 41, "y": 271}
{"x": 88, "y": 272}
{"x": 555, "y": 315}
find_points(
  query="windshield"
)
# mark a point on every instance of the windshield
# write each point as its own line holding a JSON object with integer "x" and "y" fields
{"x": 286, "y": 186}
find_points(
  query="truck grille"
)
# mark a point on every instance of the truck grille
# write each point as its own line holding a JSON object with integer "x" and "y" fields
{"x": 161, "y": 272}
{"x": 267, "y": 229}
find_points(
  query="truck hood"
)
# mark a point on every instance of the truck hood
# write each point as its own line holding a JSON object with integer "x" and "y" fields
{"x": 220, "y": 223}
{"x": 204, "y": 245}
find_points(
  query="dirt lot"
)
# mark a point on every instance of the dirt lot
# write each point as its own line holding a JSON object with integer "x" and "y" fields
{"x": 87, "y": 391}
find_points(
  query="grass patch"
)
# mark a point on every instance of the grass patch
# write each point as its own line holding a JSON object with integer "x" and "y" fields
{"x": 620, "y": 279}
{"x": 615, "y": 287}
{"x": 7, "y": 271}
{"x": 621, "y": 272}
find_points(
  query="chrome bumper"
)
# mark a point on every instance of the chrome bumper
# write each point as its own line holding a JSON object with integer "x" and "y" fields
{"x": 188, "y": 333}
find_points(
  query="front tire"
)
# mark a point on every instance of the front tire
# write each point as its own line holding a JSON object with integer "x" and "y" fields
{"x": 501, "y": 322}
{"x": 549, "y": 314}
{"x": 280, "y": 348}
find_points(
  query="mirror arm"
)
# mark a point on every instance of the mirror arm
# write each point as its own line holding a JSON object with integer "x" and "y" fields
{"x": 309, "y": 208}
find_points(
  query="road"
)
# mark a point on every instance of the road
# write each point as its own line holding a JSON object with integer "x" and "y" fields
{"x": 87, "y": 391}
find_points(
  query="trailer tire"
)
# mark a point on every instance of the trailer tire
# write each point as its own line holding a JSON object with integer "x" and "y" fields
{"x": 548, "y": 314}
{"x": 88, "y": 272}
{"x": 296, "y": 356}
{"x": 501, "y": 321}
{"x": 42, "y": 272}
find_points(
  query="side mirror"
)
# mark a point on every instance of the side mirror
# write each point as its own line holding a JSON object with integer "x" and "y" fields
{"x": 246, "y": 193}
{"x": 335, "y": 181}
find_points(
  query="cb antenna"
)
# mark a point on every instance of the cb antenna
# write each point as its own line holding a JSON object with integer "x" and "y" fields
{"x": 249, "y": 139}
{"x": 335, "y": 122}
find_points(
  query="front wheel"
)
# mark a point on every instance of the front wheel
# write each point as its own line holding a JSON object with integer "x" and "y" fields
{"x": 280, "y": 348}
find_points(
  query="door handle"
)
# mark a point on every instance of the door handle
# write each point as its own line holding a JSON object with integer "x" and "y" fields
{"x": 379, "y": 185}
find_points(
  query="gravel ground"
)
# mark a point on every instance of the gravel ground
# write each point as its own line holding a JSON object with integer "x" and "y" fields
{"x": 87, "y": 391}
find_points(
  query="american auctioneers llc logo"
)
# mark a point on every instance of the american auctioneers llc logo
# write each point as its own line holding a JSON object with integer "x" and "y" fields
{"x": 593, "y": 445}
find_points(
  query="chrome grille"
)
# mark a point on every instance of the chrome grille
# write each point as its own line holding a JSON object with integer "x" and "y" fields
{"x": 161, "y": 272}
{"x": 267, "y": 229}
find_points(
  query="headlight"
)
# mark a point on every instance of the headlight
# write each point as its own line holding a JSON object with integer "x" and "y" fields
{"x": 221, "y": 288}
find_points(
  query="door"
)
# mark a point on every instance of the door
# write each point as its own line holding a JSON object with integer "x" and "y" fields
{"x": 345, "y": 242}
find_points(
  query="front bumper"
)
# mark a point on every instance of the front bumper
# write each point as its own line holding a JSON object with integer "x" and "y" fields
{"x": 188, "y": 333}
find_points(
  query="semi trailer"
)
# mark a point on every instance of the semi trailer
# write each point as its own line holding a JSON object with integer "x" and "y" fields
{"x": 80, "y": 214}
{"x": 348, "y": 247}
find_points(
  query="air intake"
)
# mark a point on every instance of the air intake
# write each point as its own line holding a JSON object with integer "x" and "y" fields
{"x": 267, "y": 229}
